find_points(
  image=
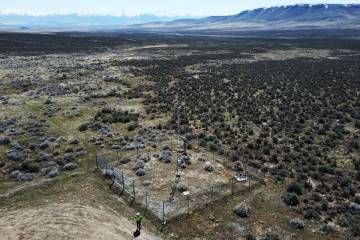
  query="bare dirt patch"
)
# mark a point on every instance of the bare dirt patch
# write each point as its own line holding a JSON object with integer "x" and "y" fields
{"x": 67, "y": 221}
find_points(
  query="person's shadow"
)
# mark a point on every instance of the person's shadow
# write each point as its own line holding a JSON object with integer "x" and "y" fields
{"x": 137, "y": 233}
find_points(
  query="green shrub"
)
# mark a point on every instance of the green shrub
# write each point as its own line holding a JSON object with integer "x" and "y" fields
{"x": 295, "y": 188}
{"x": 291, "y": 198}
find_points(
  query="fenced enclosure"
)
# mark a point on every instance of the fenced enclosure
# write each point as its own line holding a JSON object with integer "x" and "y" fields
{"x": 154, "y": 199}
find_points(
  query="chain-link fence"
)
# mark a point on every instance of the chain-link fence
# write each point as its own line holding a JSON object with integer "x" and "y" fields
{"x": 158, "y": 203}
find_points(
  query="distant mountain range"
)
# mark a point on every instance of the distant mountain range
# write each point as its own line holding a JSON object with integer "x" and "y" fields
{"x": 280, "y": 17}
{"x": 76, "y": 20}
{"x": 299, "y": 16}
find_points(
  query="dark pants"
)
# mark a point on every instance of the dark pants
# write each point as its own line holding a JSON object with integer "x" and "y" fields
{"x": 138, "y": 225}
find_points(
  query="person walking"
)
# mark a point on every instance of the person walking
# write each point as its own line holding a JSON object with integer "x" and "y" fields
{"x": 138, "y": 220}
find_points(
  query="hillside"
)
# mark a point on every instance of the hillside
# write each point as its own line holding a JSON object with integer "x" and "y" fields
{"x": 279, "y": 17}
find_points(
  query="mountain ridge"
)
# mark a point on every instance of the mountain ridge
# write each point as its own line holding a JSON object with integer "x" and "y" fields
{"x": 290, "y": 16}
{"x": 299, "y": 16}
{"x": 75, "y": 19}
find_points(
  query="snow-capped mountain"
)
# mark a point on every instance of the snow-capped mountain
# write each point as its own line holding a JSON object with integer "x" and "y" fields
{"x": 279, "y": 17}
{"x": 301, "y": 15}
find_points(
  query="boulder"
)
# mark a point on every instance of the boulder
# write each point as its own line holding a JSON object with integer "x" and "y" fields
{"x": 242, "y": 210}
{"x": 4, "y": 140}
{"x": 70, "y": 166}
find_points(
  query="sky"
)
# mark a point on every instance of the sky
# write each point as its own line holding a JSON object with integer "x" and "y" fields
{"x": 157, "y": 7}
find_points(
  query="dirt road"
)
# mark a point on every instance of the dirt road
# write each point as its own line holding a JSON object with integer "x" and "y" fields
{"x": 67, "y": 221}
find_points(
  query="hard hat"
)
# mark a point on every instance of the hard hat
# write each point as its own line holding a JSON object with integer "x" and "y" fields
{"x": 138, "y": 214}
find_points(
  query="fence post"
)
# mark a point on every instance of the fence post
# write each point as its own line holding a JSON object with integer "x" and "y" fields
{"x": 211, "y": 193}
{"x": 96, "y": 159}
{"x": 123, "y": 183}
{"x": 113, "y": 181}
{"x": 264, "y": 178}
{"x": 146, "y": 200}
{"x": 133, "y": 185}
{"x": 163, "y": 213}
{"x": 249, "y": 182}
{"x": 188, "y": 206}
{"x": 171, "y": 142}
